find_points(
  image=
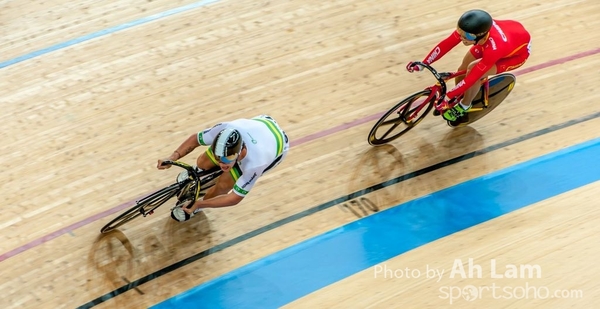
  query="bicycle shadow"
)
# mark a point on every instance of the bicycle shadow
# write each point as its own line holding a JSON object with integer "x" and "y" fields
{"x": 461, "y": 141}
{"x": 113, "y": 256}
{"x": 377, "y": 163}
{"x": 377, "y": 179}
{"x": 379, "y": 171}
{"x": 120, "y": 262}
{"x": 192, "y": 234}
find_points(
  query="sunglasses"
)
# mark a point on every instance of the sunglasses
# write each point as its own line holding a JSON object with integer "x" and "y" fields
{"x": 466, "y": 36}
{"x": 228, "y": 160}
{"x": 469, "y": 36}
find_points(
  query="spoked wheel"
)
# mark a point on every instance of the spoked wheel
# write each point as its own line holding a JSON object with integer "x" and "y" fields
{"x": 500, "y": 87}
{"x": 401, "y": 118}
{"x": 143, "y": 207}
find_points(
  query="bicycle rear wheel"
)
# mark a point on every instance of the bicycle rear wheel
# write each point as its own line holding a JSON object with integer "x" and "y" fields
{"x": 500, "y": 86}
{"x": 143, "y": 207}
{"x": 401, "y": 118}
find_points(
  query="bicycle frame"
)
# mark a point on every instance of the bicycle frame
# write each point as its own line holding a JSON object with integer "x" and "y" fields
{"x": 438, "y": 92}
{"x": 192, "y": 177}
{"x": 188, "y": 186}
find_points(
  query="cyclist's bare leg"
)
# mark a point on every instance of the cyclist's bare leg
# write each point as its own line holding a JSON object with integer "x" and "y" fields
{"x": 224, "y": 183}
{"x": 467, "y": 60}
{"x": 204, "y": 163}
{"x": 470, "y": 94}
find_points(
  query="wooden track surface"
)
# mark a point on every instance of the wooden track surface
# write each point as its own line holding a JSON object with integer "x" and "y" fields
{"x": 83, "y": 126}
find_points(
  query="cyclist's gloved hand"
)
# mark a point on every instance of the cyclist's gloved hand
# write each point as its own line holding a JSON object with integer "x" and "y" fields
{"x": 412, "y": 66}
{"x": 447, "y": 103}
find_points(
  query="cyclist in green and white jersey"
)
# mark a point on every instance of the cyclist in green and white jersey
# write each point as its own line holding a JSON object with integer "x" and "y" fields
{"x": 244, "y": 149}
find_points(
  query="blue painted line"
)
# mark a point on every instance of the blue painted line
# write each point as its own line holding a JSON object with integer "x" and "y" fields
{"x": 106, "y": 31}
{"x": 292, "y": 273}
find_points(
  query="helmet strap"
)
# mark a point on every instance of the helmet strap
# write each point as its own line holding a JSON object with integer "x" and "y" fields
{"x": 482, "y": 37}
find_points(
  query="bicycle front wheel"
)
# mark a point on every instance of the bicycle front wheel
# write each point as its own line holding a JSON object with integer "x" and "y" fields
{"x": 401, "y": 118}
{"x": 143, "y": 207}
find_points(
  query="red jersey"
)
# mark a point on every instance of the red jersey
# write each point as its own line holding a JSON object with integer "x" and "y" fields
{"x": 506, "y": 39}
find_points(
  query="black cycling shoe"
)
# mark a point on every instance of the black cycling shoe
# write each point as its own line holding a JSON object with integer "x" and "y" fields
{"x": 463, "y": 119}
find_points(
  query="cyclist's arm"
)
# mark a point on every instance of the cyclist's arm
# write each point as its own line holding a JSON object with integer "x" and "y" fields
{"x": 442, "y": 48}
{"x": 240, "y": 189}
{"x": 484, "y": 65}
{"x": 185, "y": 148}
{"x": 207, "y": 136}
{"x": 247, "y": 181}
{"x": 202, "y": 138}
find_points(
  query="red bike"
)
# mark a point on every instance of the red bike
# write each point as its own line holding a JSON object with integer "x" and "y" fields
{"x": 409, "y": 112}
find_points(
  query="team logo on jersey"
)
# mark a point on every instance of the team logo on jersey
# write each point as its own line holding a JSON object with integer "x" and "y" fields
{"x": 252, "y": 138}
{"x": 501, "y": 33}
{"x": 249, "y": 181}
{"x": 462, "y": 82}
{"x": 434, "y": 55}
{"x": 493, "y": 43}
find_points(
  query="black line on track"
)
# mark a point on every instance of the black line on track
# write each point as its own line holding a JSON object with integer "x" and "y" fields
{"x": 308, "y": 212}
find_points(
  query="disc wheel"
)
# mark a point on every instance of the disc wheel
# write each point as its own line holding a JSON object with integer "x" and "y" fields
{"x": 500, "y": 87}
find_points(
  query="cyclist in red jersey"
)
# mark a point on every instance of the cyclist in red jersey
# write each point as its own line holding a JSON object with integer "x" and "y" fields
{"x": 498, "y": 46}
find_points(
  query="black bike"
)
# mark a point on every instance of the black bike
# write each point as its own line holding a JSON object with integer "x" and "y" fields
{"x": 191, "y": 184}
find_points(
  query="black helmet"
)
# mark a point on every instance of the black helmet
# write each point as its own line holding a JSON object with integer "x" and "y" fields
{"x": 476, "y": 22}
{"x": 227, "y": 143}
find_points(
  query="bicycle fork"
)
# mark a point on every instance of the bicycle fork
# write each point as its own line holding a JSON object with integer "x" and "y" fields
{"x": 407, "y": 115}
